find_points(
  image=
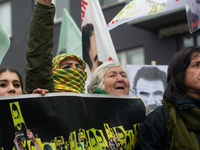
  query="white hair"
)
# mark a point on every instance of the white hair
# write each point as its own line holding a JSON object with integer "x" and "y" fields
{"x": 98, "y": 76}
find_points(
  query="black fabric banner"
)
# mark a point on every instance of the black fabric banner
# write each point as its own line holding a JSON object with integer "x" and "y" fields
{"x": 70, "y": 120}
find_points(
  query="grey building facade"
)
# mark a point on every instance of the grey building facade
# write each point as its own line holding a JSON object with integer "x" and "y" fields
{"x": 146, "y": 33}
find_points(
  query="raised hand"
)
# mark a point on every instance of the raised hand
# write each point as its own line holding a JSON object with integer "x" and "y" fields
{"x": 46, "y": 2}
{"x": 40, "y": 91}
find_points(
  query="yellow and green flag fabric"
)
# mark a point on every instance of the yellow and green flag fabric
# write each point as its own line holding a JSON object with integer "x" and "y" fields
{"x": 70, "y": 36}
{"x": 4, "y": 42}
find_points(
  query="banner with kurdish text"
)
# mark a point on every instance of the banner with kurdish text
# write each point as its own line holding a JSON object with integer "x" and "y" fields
{"x": 64, "y": 121}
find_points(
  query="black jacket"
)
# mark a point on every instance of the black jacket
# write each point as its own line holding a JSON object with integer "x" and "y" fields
{"x": 153, "y": 134}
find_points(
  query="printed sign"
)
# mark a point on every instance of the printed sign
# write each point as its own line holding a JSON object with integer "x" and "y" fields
{"x": 148, "y": 82}
{"x": 70, "y": 120}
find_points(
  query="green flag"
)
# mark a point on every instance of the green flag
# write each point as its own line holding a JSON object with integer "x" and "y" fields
{"x": 4, "y": 42}
{"x": 70, "y": 36}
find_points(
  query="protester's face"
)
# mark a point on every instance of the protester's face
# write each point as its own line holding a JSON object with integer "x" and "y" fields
{"x": 192, "y": 76}
{"x": 17, "y": 120}
{"x": 116, "y": 81}
{"x": 93, "y": 52}
{"x": 72, "y": 63}
{"x": 9, "y": 84}
{"x": 150, "y": 91}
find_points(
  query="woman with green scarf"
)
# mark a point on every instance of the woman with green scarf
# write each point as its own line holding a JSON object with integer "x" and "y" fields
{"x": 109, "y": 78}
{"x": 176, "y": 124}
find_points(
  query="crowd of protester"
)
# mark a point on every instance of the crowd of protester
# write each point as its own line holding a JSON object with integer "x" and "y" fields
{"x": 173, "y": 125}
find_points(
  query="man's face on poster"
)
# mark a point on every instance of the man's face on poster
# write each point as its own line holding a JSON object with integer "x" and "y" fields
{"x": 93, "y": 142}
{"x": 150, "y": 91}
{"x": 73, "y": 142}
{"x": 93, "y": 52}
{"x": 59, "y": 142}
{"x": 17, "y": 120}
{"x": 99, "y": 137}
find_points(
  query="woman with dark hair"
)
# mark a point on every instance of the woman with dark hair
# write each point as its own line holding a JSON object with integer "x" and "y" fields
{"x": 10, "y": 82}
{"x": 176, "y": 124}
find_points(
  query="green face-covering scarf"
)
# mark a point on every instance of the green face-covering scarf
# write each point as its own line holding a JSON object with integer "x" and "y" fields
{"x": 181, "y": 125}
{"x": 69, "y": 80}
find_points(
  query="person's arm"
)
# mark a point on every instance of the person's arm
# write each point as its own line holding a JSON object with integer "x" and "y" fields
{"x": 39, "y": 48}
{"x": 153, "y": 134}
{"x": 18, "y": 143}
{"x": 46, "y": 2}
{"x": 40, "y": 91}
{"x": 33, "y": 139}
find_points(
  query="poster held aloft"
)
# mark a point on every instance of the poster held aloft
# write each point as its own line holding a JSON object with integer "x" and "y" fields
{"x": 193, "y": 14}
{"x": 148, "y": 82}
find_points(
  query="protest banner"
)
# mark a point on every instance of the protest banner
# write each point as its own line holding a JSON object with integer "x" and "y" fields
{"x": 141, "y": 8}
{"x": 70, "y": 120}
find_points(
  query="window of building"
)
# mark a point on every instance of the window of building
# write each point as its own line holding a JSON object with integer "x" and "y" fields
{"x": 108, "y": 3}
{"x": 190, "y": 40}
{"x": 5, "y": 16}
{"x": 104, "y": 2}
{"x": 60, "y": 5}
{"x": 133, "y": 56}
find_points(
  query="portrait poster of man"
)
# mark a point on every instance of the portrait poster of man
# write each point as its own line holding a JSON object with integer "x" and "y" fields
{"x": 121, "y": 135}
{"x": 148, "y": 82}
{"x": 97, "y": 46}
{"x": 193, "y": 14}
{"x": 101, "y": 139}
{"x": 60, "y": 143}
{"x": 73, "y": 143}
{"x": 93, "y": 141}
{"x": 49, "y": 146}
{"x": 129, "y": 140}
{"x": 18, "y": 120}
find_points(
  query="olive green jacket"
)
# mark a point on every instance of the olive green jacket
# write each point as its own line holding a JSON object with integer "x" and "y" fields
{"x": 39, "y": 53}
